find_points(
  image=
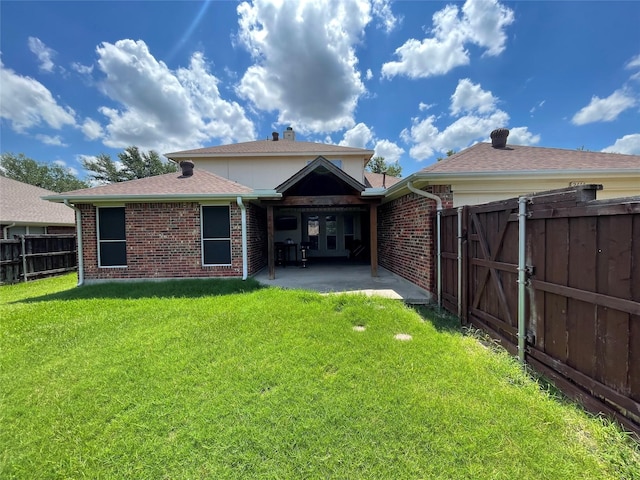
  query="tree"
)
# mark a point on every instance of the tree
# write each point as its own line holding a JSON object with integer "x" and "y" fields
{"x": 48, "y": 176}
{"x": 133, "y": 164}
{"x": 378, "y": 165}
{"x": 449, "y": 153}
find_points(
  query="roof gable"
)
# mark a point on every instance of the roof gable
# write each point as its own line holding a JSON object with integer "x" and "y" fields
{"x": 320, "y": 177}
{"x": 482, "y": 157}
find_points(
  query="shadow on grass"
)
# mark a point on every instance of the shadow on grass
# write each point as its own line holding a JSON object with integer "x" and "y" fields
{"x": 439, "y": 318}
{"x": 196, "y": 288}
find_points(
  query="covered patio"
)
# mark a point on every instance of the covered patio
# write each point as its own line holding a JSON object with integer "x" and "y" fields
{"x": 346, "y": 278}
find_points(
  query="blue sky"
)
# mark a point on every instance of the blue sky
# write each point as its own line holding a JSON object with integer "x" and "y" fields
{"x": 409, "y": 79}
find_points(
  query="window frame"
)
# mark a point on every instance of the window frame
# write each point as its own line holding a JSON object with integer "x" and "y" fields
{"x": 215, "y": 239}
{"x": 100, "y": 241}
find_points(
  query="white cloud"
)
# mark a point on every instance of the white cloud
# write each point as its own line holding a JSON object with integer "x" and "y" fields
{"x": 389, "y": 150}
{"x": 522, "y": 136}
{"x": 425, "y": 106}
{"x": 63, "y": 164}
{"x": 470, "y": 97}
{"x": 482, "y": 23}
{"x": 633, "y": 63}
{"x": 478, "y": 116}
{"x": 161, "y": 109}
{"x": 369, "y": 74}
{"x": 605, "y": 109}
{"x": 305, "y": 62}
{"x": 387, "y": 20}
{"x": 359, "y": 136}
{"x": 629, "y": 144}
{"x": 536, "y": 107}
{"x": 49, "y": 140}
{"x": 91, "y": 129}
{"x": 82, "y": 69}
{"x": 44, "y": 54}
{"x": 26, "y": 103}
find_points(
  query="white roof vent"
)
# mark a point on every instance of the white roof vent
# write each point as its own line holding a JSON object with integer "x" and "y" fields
{"x": 289, "y": 134}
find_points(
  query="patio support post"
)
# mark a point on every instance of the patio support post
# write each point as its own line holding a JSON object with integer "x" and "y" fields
{"x": 270, "y": 238}
{"x": 373, "y": 236}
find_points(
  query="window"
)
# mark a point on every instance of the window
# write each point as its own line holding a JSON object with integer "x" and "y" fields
{"x": 332, "y": 231}
{"x": 313, "y": 231}
{"x": 216, "y": 235}
{"x": 112, "y": 244}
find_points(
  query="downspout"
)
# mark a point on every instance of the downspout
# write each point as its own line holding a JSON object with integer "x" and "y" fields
{"x": 5, "y": 230}
{"x": 522, "y": 269}
{"x": 438, "y": 201}
{"x": 79, "y": 241}
{"x": 243, "y": 215}
{"x": 460, "y": 209}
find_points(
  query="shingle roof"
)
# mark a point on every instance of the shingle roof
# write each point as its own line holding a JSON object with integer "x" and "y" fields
{"x": 22, "y": 203}
{"x": 376, "y": 180}
{"x": 482, "y": 157}
{"x": 200, "y": 183}
{"x": 262, "y": 147}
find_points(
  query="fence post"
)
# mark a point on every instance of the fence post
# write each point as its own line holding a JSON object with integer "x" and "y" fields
{"x": 24, "y": 257}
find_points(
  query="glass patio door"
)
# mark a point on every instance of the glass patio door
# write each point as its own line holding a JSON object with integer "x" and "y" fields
{"x": 322, "y": 233}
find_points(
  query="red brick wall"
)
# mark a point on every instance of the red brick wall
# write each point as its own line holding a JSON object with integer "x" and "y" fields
{"x": 256, "y": 238}
{"x": 406, "y": 236}
{"x": 163, "y": 241}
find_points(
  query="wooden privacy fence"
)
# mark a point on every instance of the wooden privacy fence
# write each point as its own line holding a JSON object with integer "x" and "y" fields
{"x": 579, "y": 308}
{"x": 32, "y": 256}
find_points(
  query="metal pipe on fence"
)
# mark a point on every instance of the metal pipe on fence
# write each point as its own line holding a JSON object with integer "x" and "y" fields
{"x": 460, "y": 210}
{"x": 522, "y": 267}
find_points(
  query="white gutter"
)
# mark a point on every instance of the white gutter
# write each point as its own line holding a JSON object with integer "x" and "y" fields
{"x": 79, "y": 241}
{"x": 243, "y": 214}
{"x": 522, "y": 267}
{"x": 438, "y": 201}
{"x": 5, "y": 230}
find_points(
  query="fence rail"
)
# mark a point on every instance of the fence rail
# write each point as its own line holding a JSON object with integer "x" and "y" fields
{"x": 27, "y": 257}
{"x": 581, "y": 296}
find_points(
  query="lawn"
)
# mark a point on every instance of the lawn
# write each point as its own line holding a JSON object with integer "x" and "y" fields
{"x": 223, "y": 379}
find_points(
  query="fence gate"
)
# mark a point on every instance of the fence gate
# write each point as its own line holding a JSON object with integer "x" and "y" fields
{"x": 581, "y": 304}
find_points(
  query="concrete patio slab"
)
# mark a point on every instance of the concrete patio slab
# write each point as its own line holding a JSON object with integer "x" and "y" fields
{"x": 347, "y": 278}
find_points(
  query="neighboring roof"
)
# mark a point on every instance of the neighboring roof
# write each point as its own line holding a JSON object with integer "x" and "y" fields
{"x": 22, "y": 204}
{"x": 483, "y": 158}
{"x": 378, "y": 180}
{"x": 321, "y": 166}
{"x": 201, "y": 184}
{"x": 270, "y": 148}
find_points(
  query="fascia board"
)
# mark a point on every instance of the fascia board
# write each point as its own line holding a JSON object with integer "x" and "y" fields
{"x": 159, "y": 198}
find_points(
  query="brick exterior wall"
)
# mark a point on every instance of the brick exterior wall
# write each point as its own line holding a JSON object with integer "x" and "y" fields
{"x": 256, "y": 238}
{"x": 406, "y": 236}
{"x": 163, "y": 241}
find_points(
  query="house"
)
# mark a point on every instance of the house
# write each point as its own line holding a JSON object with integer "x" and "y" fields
{"x": 236, "y": 209}
{"x": 23, "y": 211}
{"x": 485, "y": 172}
{"x": 233, "y": 210}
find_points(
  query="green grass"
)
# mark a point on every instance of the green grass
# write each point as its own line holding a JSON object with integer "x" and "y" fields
{"x": 217, "y": 379}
